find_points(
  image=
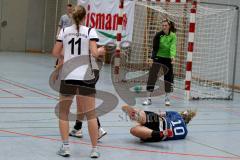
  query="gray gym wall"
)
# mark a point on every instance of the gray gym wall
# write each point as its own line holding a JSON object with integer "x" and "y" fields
{"x": 39, "y": 21}
{"x": 35, "y": 21}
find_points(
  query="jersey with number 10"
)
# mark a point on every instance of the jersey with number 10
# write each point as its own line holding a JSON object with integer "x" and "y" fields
{"x": 175, "y": 122}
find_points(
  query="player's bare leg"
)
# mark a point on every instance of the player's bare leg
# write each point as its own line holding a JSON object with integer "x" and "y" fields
{"x": 64, "y": 109}
{"x": 141, "y": 132}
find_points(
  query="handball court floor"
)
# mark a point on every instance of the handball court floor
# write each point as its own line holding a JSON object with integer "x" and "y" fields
{"x": 29, "y": 126}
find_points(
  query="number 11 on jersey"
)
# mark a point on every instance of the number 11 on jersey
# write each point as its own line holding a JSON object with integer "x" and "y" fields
{"x": 73, "y": 44}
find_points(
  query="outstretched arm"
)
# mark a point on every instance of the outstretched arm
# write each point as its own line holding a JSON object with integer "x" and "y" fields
{"x": 135, "y": 114}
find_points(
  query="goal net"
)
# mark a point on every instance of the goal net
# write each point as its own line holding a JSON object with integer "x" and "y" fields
{"x": 214, "y": 47}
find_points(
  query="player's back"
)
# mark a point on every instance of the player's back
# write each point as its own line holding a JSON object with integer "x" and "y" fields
{"x": 177, "y": 124}
{"x": 75, "y": 43}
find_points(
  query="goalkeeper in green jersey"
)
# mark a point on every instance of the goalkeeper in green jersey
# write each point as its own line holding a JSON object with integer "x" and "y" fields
{"x": 163, "y": 55}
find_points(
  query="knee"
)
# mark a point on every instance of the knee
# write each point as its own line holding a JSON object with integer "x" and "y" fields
{"x": 90, "y": 115}
{"x": 63, "y": 115}
{"x": 133, "y": 131}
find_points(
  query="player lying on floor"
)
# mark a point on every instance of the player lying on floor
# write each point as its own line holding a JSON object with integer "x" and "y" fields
{"x": 153, "y": 127}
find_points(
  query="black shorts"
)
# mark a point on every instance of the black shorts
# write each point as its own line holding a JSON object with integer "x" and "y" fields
{"x": 152, "y": 121}
{"x": 79, "y": 87}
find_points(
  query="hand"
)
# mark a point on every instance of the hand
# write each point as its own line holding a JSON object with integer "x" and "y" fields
{"x": 55, "y": 75}
{"x": 162, "y": 114}
{"x": 101, "y": 51}
{"x": 60, "y": 62}
{"x": 173, "y": 60}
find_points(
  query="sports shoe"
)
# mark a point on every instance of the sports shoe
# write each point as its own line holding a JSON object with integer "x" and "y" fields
{"x": 101, "y": 133}
{"x": 147, "y": 101}
{"x": 167, "y": 101}
{"x": 76, "y": 133}
{"x": 95, "y": 153}
{"x": 64, "y": 151}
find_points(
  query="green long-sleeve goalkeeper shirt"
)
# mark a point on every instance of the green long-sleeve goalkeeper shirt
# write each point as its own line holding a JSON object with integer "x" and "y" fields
{"x": 167, "y": 46}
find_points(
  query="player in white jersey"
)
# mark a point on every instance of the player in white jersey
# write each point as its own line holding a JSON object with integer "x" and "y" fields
{"x": 76, "y": 41}
{"x": 66, "y": 21}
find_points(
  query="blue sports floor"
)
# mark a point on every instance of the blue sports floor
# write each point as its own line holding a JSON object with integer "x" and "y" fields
{"x": 29, "y": 126}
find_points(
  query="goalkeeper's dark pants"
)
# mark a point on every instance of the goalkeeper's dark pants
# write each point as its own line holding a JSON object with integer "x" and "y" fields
{"x": 161, "y": 66}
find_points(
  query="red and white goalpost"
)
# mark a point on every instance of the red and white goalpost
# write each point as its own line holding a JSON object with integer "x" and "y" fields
{"x": 119, "y": 38}
{"x": 204, "y": 50}
{"x": 191, "y": 35}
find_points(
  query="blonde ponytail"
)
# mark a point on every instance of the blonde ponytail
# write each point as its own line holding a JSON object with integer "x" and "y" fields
{"x": 78, "y": 15}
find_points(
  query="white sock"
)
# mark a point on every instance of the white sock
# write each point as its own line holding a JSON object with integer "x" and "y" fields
{"x": 167, "y": 94}
{"x": 65, "y": 143}
{"x": 94, "y": 147}
{"x": 149, "y": 95}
